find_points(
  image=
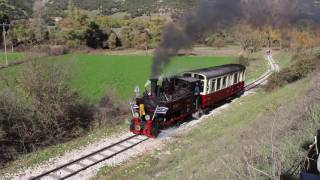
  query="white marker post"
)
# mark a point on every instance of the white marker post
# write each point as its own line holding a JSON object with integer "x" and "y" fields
{"x": 131, "y": 109}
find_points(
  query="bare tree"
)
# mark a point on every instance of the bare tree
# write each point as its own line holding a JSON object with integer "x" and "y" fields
{"x": 38, "y": 24}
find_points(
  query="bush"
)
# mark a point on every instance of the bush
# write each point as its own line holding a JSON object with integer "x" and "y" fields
{"x": 43, "y": 111}
{"x": 57, "y": 50}
{"x": 243, "y": 60}
{"x": 110, "y": 111}
{"x": 300, "y": 69}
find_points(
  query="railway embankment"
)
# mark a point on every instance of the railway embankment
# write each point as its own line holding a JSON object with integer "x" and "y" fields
{"x": 258, "y": 137}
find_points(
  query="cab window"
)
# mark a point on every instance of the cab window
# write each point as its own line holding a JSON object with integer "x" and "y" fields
{"x": 224, "y": 82}
{"x": 235, "y": 78}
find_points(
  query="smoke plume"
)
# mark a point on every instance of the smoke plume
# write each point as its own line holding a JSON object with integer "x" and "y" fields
{"x": 213, "y": 14}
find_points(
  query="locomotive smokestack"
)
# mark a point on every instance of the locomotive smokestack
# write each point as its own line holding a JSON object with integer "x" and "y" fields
{"x": 154, "y": 87}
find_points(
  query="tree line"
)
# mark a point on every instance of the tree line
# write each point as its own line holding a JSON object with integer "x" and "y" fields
{"x": 81, "y": 28}
{"x": 78, "y": 29}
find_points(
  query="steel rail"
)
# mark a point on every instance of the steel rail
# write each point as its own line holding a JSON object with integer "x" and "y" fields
{"x": 61, "y": 167}
{"x": 264, "y": 77}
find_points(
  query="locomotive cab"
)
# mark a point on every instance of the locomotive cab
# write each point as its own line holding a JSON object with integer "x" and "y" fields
{"x": 176, "y": 94}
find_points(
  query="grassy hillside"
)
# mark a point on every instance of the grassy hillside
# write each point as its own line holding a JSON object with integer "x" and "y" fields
{"x": 107, "y": 7}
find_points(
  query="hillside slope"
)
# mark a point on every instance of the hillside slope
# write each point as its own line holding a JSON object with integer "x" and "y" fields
{"x": 23, "y": 8}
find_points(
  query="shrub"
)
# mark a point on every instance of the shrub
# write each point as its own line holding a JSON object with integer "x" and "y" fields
{"x": 110, "y": 111}
{"x": 57, "y": 50}
{"x": 243, "y": 60}
{"x": 300, "y": 69}
{"x": 43, "y": 111}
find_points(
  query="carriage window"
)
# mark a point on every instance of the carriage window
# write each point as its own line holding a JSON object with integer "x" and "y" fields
{"x": 213, "y": 85}
{"x": 231, "y": 79}
{"x": 224, "y": 82}
{"x": 218, "y": 84}
{"x": 187, "y": 75}
{"x": 240, "y": 76}
{"x": 235, "y": 78}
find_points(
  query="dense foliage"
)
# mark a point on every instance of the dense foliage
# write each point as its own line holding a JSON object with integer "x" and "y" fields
{"x": 106, "y": 7}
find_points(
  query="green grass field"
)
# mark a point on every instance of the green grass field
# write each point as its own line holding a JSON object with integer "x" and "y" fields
{"x": 12, "y": 57}
{"x": 93, "y": 75}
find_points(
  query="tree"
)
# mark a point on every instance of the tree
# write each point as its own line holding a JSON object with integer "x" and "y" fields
{"x": 14, "y": 11}
{"x": 141, "y": 38}
{"x": 216, "y": 40}
{"x": 126, "y": 37}
{"x": 304, "y": 41}
{"x": 38, "y": 24}
{"x": 155, "y": 27}
{"x": 4, "y": 19}
{"x": 95, "y": 37}
{"x": 73, "y": 28}
{"x": 113, "y": 41}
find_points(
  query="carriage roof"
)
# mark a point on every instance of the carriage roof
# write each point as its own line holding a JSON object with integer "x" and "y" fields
{"x": 217, "y": 71}
{"x": 189, "y": 79}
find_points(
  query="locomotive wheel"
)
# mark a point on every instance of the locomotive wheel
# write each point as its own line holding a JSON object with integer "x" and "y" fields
{"x": 239, "y": 94}
{"x": 132, "y": 125}
{"x": 155, "y": 129}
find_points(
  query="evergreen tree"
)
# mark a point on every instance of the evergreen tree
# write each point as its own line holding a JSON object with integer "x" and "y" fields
{"x": 95, "y": 37}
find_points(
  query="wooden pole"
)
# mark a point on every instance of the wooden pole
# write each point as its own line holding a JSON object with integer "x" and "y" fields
{"x": 5, "y": 43}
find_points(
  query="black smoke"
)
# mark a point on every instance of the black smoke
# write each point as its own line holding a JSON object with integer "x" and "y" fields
{"x": 213, "y": 14}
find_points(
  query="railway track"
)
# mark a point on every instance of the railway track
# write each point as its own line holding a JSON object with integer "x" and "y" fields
{"x": 273, "y": 67}
{"x": 76, "y": 166}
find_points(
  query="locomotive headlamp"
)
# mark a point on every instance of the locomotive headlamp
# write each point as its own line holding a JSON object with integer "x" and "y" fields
{"x": 147, "y": 117}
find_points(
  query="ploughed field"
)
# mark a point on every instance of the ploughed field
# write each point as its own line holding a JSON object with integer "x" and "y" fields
{"x": 93, "y": 75}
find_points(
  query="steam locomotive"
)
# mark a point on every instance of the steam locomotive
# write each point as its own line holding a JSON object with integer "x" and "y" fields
{"x": 174, "y": 99}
